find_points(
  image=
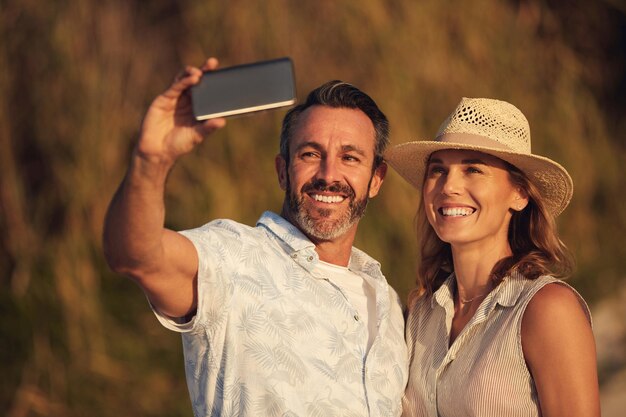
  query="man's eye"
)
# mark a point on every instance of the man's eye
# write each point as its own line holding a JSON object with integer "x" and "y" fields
{"x": 308, "y": 155}
{"x": 350, "y": 158}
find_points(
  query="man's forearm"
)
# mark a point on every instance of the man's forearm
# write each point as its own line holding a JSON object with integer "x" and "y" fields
{"x": 133, "y": 227}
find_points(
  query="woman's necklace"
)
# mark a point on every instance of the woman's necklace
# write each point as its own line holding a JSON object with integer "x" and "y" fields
{"x": 469, "y": 300}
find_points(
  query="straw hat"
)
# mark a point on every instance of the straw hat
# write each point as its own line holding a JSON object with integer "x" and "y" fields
{"x": 493, "y": 127}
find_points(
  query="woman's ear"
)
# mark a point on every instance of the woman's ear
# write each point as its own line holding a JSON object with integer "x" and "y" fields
{"x": 520, "y": 200}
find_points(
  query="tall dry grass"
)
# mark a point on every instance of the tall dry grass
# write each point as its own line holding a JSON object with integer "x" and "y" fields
{"x": 76, "y": 77}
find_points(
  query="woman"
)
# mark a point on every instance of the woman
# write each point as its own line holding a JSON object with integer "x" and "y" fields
{"x": 491, "y": 331}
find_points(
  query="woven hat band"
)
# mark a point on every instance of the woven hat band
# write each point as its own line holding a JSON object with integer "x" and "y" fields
{"x": 470, "y": 139}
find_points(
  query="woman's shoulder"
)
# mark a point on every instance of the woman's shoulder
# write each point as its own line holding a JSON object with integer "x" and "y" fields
{"x": 547, "y": 289}
{"x": 558, "y": 301}
{"x": 555, "y": 295}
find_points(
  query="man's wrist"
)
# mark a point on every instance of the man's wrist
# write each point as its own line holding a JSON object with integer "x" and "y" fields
{"x": 151, "y": 167}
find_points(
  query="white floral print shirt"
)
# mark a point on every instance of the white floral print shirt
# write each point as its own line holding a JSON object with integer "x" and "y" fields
{"x": 272, "y": 337}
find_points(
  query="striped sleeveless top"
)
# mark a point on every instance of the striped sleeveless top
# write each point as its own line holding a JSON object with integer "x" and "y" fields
{"x": 484, "y": 372}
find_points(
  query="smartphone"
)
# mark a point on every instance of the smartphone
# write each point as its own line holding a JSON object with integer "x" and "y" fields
{"x": 244, "y": 89}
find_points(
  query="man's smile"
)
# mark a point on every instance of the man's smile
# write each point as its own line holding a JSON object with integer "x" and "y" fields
{"x": 327, "y": 198}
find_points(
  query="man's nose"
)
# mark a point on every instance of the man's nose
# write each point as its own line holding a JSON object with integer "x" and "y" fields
{"x": 328, "y": 171}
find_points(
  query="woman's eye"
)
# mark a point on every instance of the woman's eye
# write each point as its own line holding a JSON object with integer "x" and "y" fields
{"x": 435, "y": 170}
{"x": 473, "y": 170}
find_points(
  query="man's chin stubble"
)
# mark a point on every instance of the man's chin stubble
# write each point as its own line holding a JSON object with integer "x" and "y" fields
{"x": 319, "y": 228}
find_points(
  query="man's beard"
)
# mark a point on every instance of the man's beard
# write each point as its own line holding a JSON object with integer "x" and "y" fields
{"x": 323, "y": 228}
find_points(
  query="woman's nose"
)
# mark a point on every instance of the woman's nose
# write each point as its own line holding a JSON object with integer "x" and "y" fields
{"x": 452, "y": 183}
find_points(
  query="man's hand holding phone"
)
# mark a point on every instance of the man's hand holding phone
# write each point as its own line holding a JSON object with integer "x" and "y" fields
{"x": 169, "y": 129}
{"x": 199, "y": 98}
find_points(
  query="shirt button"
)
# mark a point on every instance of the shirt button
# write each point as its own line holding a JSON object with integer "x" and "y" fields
{"x": 310, "y": 258}
{"x": 294, "y": 255}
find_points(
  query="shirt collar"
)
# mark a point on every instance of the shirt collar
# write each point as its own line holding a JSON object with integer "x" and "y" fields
{"x": 289, "y": 234}
{"x": 445, "y": 293}
{"x": 302, "y": 250}
{"x": 510, "y": 289}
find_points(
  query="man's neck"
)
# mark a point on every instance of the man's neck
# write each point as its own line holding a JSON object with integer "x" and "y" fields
{"x": 337, "y": 251}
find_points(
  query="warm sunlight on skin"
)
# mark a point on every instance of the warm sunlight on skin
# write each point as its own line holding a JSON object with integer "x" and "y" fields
{"x": 468, "y": 198}
{"x": 335, "y": 145}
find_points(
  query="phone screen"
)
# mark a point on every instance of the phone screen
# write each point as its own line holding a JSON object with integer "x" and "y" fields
{"x": 244, "y": 89}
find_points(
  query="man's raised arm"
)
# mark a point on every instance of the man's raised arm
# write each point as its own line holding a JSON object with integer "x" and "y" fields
{"x": 136, "y": 243}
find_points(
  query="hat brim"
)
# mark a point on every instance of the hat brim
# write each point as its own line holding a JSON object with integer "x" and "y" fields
{"x": 553, "y": 181}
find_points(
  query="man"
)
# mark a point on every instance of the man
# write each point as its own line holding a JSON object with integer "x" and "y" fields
{"x": 285, "y": 318}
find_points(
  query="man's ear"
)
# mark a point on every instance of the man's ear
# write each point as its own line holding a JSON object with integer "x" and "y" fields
{"x": 281, "y": 170}
{"x": 377, "y": 179}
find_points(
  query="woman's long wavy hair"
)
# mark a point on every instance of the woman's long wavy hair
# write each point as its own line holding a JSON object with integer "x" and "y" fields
{"x": 537, "y": 249}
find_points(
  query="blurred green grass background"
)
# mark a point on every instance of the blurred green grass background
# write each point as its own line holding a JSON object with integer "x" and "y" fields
{"x": 77, "y": 76}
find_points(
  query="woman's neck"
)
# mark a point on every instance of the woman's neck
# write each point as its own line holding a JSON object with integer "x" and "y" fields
{"x": 473, "y": 267}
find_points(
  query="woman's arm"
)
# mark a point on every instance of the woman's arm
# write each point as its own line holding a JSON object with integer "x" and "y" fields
{"x": 560, "y": 351}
